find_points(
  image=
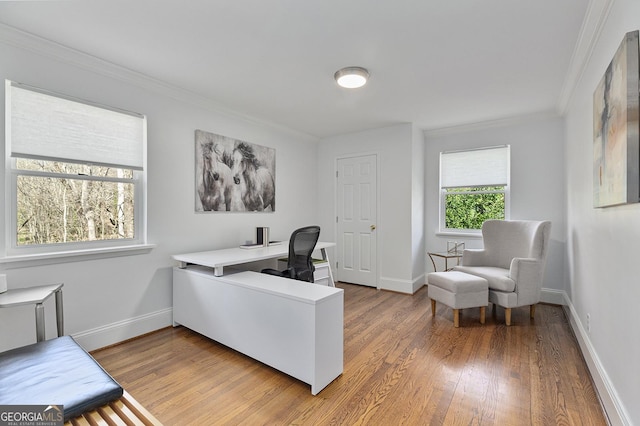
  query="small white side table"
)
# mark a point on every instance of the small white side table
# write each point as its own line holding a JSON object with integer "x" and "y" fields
{"x": 37, "y": 296}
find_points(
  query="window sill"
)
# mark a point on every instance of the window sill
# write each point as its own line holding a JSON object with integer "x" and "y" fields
{"x": 459, "y": 234}
{"x": 39, "y": 259}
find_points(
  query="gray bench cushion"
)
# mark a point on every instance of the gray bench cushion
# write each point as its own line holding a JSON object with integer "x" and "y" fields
{"x": 55, "y": 372}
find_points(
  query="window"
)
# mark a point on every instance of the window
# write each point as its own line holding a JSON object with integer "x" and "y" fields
{"x": 75, "y": 172}
{"x": 474, "y": 187}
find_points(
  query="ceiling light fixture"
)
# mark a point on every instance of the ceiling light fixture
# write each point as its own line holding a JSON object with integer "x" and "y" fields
{"x": 351, "y": 77}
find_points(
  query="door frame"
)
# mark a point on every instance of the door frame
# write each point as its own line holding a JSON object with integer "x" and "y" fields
{"x": 335, "y": 206}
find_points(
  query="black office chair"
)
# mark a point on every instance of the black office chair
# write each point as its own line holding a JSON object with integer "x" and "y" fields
{"x": 301, "y": 246}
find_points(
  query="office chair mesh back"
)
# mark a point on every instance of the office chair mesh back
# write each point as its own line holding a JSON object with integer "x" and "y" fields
{"x": 301, "y": 246}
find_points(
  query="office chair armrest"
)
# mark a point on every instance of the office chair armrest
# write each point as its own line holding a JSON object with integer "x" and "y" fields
{"x": 290, "y": 272}
{"x": 275, "y": 272}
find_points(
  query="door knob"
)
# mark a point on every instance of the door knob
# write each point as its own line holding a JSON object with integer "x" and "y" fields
{"x": 373, "y": 227}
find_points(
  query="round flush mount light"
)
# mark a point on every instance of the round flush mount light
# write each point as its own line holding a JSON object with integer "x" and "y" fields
{"x": 351, "y": 77}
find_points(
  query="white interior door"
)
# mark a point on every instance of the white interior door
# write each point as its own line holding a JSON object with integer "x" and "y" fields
{"x": 356, "y": 220}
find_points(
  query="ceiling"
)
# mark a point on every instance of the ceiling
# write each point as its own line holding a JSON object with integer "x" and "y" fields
{"x": 433, "y": 63}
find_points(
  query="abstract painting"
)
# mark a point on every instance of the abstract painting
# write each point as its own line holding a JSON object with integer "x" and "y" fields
{"x": 616, "y": 148}
{"x": 233, "y": 175}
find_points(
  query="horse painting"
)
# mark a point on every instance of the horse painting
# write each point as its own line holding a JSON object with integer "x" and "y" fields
{"x": 233, "y": 175}
{"x": 255, "y": 180}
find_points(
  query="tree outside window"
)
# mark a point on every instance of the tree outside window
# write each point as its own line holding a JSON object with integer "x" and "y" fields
{"x": 63, "y": 202}
{"x": 468, "y": 208}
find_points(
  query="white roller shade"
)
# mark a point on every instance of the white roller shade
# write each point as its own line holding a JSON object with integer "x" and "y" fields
{"x": 45, "y": 126}
{"x": 480, "y": 167}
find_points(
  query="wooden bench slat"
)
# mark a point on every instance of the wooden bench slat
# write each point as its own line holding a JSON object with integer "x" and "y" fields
{"x": 110, "y": 416}
{"x": 94, "y": 418}
{"x": 125, "y": 411}
{"x": 142, "y": 413}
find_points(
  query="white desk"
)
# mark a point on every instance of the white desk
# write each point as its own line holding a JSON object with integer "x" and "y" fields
{"x": 36, "y": 296}
{"x": 218, "y": 259}
{"x": 293, "y": 326}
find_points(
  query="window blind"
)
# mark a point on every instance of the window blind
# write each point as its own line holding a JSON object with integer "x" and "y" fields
{"x": 50, "y": 127}
{"x": 479, "y": 167}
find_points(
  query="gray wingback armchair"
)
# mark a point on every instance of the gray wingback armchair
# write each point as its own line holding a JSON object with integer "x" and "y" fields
{"x": 512, "y": 261}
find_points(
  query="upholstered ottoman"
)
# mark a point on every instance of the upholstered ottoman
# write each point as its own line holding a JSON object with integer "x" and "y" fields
{"x": 458, "y": 291}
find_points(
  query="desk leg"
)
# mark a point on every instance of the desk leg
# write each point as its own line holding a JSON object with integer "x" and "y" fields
{"x": 39, "y": 322}
{"x": 59, "y": 313}
{"x": 326, "y": 258}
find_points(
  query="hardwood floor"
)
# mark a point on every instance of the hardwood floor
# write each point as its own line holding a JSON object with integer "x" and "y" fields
{"x": 401, "y": 366}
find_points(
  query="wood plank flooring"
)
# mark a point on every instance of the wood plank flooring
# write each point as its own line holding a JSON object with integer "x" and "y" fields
{"x": 401, "y": 367}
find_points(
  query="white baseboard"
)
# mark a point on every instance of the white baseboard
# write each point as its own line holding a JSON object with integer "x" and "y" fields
{"x": 553, "y": 296}
{"x": 613, "y": 408}
{"x": 401, "y": 286}
{"x": 418, "y": 283}
{"x": 122, "y": 330}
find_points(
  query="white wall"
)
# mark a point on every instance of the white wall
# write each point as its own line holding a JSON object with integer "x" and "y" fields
{"x": 399, "y": 245}
{"x": 603, "y": 244}
{"x": 108, "y": 300}
{"x": 537, "y": 182}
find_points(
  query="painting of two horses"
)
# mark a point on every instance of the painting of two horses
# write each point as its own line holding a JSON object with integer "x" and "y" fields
{"x": 233, "y": 175}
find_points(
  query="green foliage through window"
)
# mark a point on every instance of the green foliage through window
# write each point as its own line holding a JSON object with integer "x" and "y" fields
{"x": 468, "y": 208}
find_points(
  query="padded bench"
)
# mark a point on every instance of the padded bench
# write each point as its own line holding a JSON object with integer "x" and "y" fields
{"x": 55, "y": 372}
{"x": 458, "y": 291}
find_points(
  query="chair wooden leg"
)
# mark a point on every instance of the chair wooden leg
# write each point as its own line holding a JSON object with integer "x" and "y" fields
{"x": 532, "y": 311}
{"x": 456, "y": 318}
{"x": 483, "y": 311}
{"x": 433, "y": 308}
{"x": 507, "y": 316}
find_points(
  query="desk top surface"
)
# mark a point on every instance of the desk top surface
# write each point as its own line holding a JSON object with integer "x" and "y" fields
{"x": 26, "y": 296}
{"x": 237, "y": 255}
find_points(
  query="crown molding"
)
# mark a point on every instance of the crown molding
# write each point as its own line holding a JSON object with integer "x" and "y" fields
{"x": 592, "y": 25}
{"x": 46, "y": 48}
